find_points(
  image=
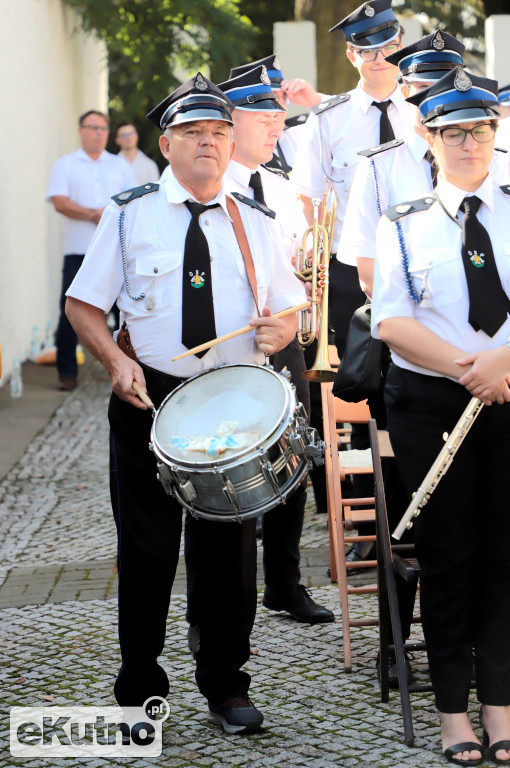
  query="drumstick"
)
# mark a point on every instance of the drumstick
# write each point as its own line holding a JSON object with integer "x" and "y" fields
{"x": 144, "y": 397}
{"x": 239, "y": 332}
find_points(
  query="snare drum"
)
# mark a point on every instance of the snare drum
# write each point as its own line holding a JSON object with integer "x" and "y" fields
{"x": 233, "y": 442}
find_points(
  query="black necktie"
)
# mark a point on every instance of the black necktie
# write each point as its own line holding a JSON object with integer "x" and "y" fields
{"x": 488, "y": 302}
{"x": 256, "y": 184}
{"x": 429, "y": 157}
{"x": 385, "y": 128}
{"x": 198, "y": 323}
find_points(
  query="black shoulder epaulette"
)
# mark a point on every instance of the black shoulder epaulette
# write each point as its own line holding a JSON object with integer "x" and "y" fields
{"x": 253, "y": 203}
{"x": 500, "y": 149}
{"x": 381, "y": 148}
{"x": 131, "y": 194}
{"x": 506, "y": 189}
{"x": 329, "y": 103}
{"x": 277, "y": 171}
{"x": 403, "y": 209}
{"x": 291, "y": 122}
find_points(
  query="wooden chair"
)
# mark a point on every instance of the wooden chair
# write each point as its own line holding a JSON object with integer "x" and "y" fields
{"x": 392, "y": 559}
{"x": 344, "y": 513}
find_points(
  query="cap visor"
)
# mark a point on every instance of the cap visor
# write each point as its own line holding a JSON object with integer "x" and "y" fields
{"x": 192, "y": 115}
{"x": 377, "y": 39}
{"x": 463, "y": 116}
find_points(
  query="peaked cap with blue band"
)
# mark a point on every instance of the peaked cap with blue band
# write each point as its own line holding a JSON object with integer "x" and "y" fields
{"x": 196, "y": 99}
{"x": 429, "y": 58}
{"x": 271, "y": 63}
{"x": 371, "y": 25}
{"x": 457, "y": 98}
{"x": 251, "y": 91}
{"x": 504, "y": 96}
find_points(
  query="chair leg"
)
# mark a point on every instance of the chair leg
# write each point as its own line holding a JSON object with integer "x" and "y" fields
{"x": 338, "y": 546}
{"x": 385, "y": 554}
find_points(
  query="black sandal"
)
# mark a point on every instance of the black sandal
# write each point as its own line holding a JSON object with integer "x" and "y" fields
{"x": 465, "y": 746}
{"x": 504, "y": 744}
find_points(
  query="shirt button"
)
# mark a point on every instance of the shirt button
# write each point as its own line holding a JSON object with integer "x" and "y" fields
{"x": 345, "y": 165}
{"x": 207, "y": 222}
{"x": 156, "y": 270}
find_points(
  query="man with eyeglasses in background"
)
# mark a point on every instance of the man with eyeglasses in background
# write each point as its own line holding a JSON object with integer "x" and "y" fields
{"x": 126, "y": 137}
{"x": 80, "y": 187}
{"x": 373, "y": 113}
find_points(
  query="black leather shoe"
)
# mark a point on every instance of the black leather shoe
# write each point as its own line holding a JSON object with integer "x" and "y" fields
{"x": 392, "y": 669}
{"x": 360, "y": 550}
{"x": 298, "y": 602}
{"x": 236, "y": 715}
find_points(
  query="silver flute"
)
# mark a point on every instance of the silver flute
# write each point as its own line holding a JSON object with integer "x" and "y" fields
{"x": 440, "y": 466}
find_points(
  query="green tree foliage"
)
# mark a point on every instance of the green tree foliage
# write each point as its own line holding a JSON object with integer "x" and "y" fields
{"x": 462, "y": 18}
{"x": 153, "y": 46}
{"x": 263, "y": 14}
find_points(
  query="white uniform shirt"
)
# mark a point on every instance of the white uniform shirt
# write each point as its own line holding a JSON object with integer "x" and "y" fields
{"x": 155, "y": 228}
{"x": 279, "y": 196}
{"x": 90, "y": 183}
{"x": 146, "y": 170}
{"x": 433, "y": 244}
{"x": 345, "y": 129}
{"x": 403, "y": 174}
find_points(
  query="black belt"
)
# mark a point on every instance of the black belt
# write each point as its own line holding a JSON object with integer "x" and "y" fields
{"x": 159, "y": 379}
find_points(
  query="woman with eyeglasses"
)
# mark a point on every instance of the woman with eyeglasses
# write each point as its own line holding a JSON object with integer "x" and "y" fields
{"x": 440, "y": 302}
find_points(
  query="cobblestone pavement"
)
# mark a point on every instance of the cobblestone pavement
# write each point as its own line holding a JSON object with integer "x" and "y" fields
{"x": 58, "y": 627}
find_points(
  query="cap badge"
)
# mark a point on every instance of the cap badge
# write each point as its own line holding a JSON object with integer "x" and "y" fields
{"x": 438, "y": 42}
{"x": 264, "y": 78}
{"x": 276, "y": 63}
{"x": 200, "y": 84}
{"x": 462, "y": 81}
{"x": 369, "y": 11}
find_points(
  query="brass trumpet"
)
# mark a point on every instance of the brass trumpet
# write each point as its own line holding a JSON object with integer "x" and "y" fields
{"x": 313, "y": 324}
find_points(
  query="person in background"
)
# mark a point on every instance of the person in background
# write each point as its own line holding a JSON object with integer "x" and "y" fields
{"x": 126, "y": 137}
{"x": 80, "y": 187}
{"x": 296, "y": 91}
{"x": 257, "y": 125}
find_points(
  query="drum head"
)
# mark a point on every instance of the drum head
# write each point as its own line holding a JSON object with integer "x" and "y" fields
{"x": 221, "y": 414}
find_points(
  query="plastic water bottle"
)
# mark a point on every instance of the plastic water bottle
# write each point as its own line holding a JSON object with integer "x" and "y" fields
{"x": 34, "y": 343}
{"x": 16, "y": 379}
{"x": 48, "y": 337}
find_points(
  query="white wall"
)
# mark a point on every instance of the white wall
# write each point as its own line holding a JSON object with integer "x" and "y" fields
{"x": 51, "y": 73}
{"x": 497, "y": 61}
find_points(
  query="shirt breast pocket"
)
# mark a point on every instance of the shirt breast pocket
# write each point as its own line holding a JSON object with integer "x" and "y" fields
{"x": 437, "y": 275}
{"x": 159, "y": 275}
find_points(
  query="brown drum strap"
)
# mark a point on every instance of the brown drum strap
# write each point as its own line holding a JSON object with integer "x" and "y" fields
{"x": 244, "y": 247}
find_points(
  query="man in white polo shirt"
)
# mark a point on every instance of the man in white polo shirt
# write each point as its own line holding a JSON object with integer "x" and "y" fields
{"x": 80, "y": 187}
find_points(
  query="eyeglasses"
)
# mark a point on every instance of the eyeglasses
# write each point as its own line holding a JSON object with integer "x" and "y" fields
{"x": 454, "y": 137}
{"x": 370, "y": 54}
{"x": 96, "y": 127}
{"x": 126, "y": 135}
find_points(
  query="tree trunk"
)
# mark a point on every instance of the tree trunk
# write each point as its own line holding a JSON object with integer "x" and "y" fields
{"x": 335, "y": 74}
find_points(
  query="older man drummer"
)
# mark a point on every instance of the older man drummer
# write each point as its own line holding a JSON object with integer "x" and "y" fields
{"x": 173, "y": 238}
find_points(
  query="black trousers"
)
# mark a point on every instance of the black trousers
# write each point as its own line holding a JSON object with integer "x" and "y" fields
{"x": 149, "y": 531}
{"x": 281, "y": 526}
{"x": 462, "y": 535}
{"x": 66, "y": 338}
